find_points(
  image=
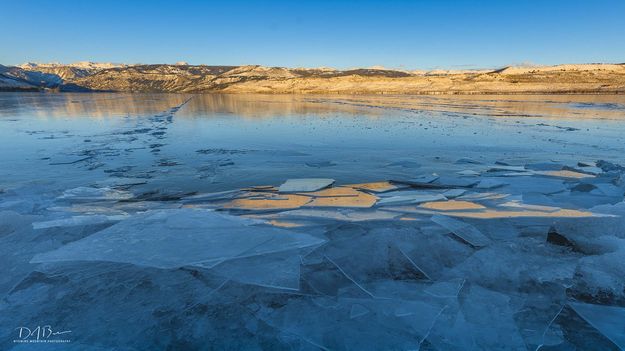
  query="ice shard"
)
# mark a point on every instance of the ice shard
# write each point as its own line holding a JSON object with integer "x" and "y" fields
{"x": 463, "y": 230}
{"x": 409, "y": 199}
{"x": 279, "y": 270}
{"x": 608, "y": 320}
{"x": 77, "y": 221}
{"x": 182, "y": 237}
{"x": 305, "y": 184}
{"x": 95, "y": 194}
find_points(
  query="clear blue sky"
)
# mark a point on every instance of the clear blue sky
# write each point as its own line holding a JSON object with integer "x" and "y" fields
{"x": 399, "y": 34}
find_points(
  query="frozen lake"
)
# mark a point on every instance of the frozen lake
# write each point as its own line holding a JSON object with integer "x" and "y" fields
{"x": 153, "y": 221}
{"x": 266, "y": 139}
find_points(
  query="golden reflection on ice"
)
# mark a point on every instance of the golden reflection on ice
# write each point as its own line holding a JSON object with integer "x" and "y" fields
{"x": 342, "y": 197}
{"x": 376, "y": 187}
{"x": 334, "y": 192}
{"x": 284, "y": 224}
{"x": 566, "y": 174}
{"x": 494, "y": 214}
{"x": 269, "y": 202}
{"x": 350, "y": 203}
{"x": 452, "y": 205}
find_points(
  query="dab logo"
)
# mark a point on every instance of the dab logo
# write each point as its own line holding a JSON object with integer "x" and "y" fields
{"x": 41, "y": 334}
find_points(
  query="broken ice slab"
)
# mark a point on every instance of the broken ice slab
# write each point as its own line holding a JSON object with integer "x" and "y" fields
{"x": 495, "y": 214}
{"x": 261, "y": 188}
{"x": 506, "y": 168}
{"x": 411, "y": 192}
{"x": 583, "y": 188}
{"x": 20, "y": 206}
{"x": 452, "y": 205}
{"x": 339, "y": 191}
{"x": 95, "y": 194}
{"x": 565, "y": 174}
{"x": 326, "y": 324}
{"x": 517, "y": 204}
{"x": 358, "y": 311}
{"x": 513, "y": 174}
{"x": 222, "y": 195}
{"x": 11, "y": 222}
{"x": 544, "y": 166}
{"x": 490, "y": 184}
{"x": 292, "y": 223}
{"x": 305, "y": 185}
{"x": 78, "y": 221}
{"x": 609, "y": 190}
{"x": 378, "y": 187}
{"x": 444, "y": 288}
{"x": 181, "y": 237}
{"x": 537, "y": 199}
{"x": 608, "y": 320}
{"x": 67, "y": 160}
{"x": 404, "y": 164}
{"x": 490, "y": 318}
{"x": 543, "y": 185}
{"x": 467, "y": 160}
{"x": 120, "y": 182}
{"x": 339, "y": 215}
{"x": 587, "y": 164}
{"x": 424, "y": 181}
{"x": 465, "y": 209}
{"x": 279, "y": 270}
{"x": 453, "y": 193}
{"x": 379, "y": 257}
{"x": 409, "y": 199}
{"x": 89, "y": 209}
{"x": 591, "y": 170}
{"x": 320, "y": 164}
{"x": 341, "y": 197}
{"x": 269, "y": 201}
{"x": 555, "y": 238}
{"x": 468, "y": 173}
{"x": 455, "y": 182}
{"x": 161, "y": 195}
{"x": 464, "y": 231}
{"x": 511, "y": 162}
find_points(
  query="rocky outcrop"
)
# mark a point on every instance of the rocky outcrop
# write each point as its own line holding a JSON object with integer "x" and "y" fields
{"x": 153, "y": 78}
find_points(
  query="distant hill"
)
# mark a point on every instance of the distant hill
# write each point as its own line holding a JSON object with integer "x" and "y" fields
{"x": 181, "y": 77}
{"x": 15, "y": 78}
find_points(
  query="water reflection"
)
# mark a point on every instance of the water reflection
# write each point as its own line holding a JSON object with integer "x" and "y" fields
{"x": 245, "y": 105}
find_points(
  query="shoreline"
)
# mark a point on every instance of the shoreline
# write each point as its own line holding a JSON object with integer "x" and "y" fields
{"x": 330, "y": 93}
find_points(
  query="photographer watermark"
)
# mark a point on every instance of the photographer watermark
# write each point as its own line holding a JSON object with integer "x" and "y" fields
{"x": 42, "y": 334}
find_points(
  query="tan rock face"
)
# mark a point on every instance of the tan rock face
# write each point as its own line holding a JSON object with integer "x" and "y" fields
{"x": 589, "y": 78}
